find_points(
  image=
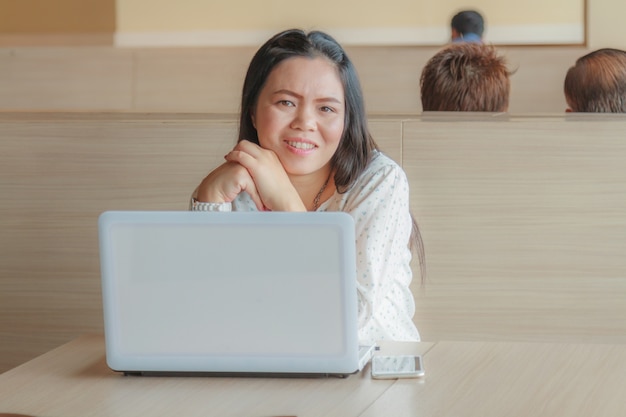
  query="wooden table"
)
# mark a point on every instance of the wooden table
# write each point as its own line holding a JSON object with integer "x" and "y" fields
{"x": 462, "y": 379}
{"x": 482, "y": 379}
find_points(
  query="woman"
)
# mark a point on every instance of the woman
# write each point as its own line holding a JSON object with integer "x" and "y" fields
{"x": 304, "y": 145}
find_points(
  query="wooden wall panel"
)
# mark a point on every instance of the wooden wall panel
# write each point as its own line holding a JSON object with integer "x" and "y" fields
{"x": 195, "y": 79}
{"x": 524, "y": 227}
{"x": 539, "y": 74}
{"x": 57, "y": 174}
{"x": 210, "y": 79}
{"x": 66, "y": 79}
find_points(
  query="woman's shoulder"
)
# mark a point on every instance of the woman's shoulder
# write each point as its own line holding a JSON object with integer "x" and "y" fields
{"x": 382, "y": 165}
{"x": 382, "y": 171}
{"x": 381, "y": 177}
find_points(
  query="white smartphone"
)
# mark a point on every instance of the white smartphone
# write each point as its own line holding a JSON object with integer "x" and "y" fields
{"x": 401, "y": 366}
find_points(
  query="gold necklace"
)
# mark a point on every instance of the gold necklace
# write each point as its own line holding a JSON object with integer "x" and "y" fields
{"x": 316, "y": 200}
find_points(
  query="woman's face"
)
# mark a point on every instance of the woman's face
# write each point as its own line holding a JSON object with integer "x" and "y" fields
{"x": 300, "y": 114}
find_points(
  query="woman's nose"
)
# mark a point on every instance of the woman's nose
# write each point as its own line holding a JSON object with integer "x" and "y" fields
{"x": 305, "y": 119}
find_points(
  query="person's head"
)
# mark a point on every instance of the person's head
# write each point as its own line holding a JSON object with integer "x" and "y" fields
{"x": 290, "y": 52}
{"x": 597, "y": 82}
{"x": 465, "y": 77}
{"x": 467, "y": 26}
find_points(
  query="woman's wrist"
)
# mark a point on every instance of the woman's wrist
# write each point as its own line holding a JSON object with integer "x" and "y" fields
{"x": 195, "y": 205}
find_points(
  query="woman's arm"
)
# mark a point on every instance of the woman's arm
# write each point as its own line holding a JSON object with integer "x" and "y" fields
{"x": 383, "y": 227}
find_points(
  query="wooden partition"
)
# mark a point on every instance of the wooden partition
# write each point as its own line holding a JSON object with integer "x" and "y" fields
{"x": 523, "y": 218}
{"x": 524, "y": 223}
{"x": 57, "y": 174}
{"x": 209, "y": 80}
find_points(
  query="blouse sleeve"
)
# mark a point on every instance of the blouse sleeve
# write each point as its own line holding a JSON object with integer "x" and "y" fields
{"x": 380, "y": 207}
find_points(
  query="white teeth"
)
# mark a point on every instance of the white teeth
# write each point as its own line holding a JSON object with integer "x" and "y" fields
{"x": 301, "y": 145}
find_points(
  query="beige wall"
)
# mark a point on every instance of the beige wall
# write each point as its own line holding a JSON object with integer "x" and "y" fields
{"x": 605, "y": 24}
{"x": 195, "y": 22}
{"x": 406, "y": 22}
{"x": 51, "y": 18}
{"x": 604, "y": 17}
{"x": 184, "y": 15}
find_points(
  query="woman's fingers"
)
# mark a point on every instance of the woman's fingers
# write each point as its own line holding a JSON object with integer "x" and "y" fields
{"x": 225, "y": 183}
{"x": 272, "y": 185}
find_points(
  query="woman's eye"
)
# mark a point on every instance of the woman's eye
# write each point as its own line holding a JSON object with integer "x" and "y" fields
{"x": 286, "y": 103}
{"x": 327, "y": 109}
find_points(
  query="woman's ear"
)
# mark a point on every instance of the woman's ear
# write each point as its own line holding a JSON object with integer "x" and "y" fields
{"x": 253, "y": 119}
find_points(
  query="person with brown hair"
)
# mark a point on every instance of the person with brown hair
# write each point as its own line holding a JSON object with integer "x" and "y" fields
{"x": 466, "y": 77}
{"x": 597, "y": 82}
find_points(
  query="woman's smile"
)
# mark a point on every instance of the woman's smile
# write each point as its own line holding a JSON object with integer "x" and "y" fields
{"x": 300, "y": 146}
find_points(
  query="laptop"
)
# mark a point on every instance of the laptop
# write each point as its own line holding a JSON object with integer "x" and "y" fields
{"x": 241, "y": 293}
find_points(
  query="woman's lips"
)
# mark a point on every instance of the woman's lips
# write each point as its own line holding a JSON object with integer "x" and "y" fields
{"x": 300, "y": 146}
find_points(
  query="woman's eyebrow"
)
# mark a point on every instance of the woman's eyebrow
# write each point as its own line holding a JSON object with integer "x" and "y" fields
{"x": 320, "y": 99}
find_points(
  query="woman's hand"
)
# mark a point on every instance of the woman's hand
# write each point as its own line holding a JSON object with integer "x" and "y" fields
{"x": 225, "y": 183}
{"x": 276, "y": 191}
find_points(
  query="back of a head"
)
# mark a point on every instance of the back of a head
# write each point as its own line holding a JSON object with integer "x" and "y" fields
{"x": 465, "y": 77}
{"x": 597, "y": 82}
{"x": 468, "y": 22}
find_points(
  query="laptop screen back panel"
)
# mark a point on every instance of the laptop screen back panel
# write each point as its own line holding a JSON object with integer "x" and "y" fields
{"x": 229, "y": 292}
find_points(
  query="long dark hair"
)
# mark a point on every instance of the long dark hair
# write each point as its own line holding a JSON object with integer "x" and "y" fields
{"x": 357, "y": 145}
